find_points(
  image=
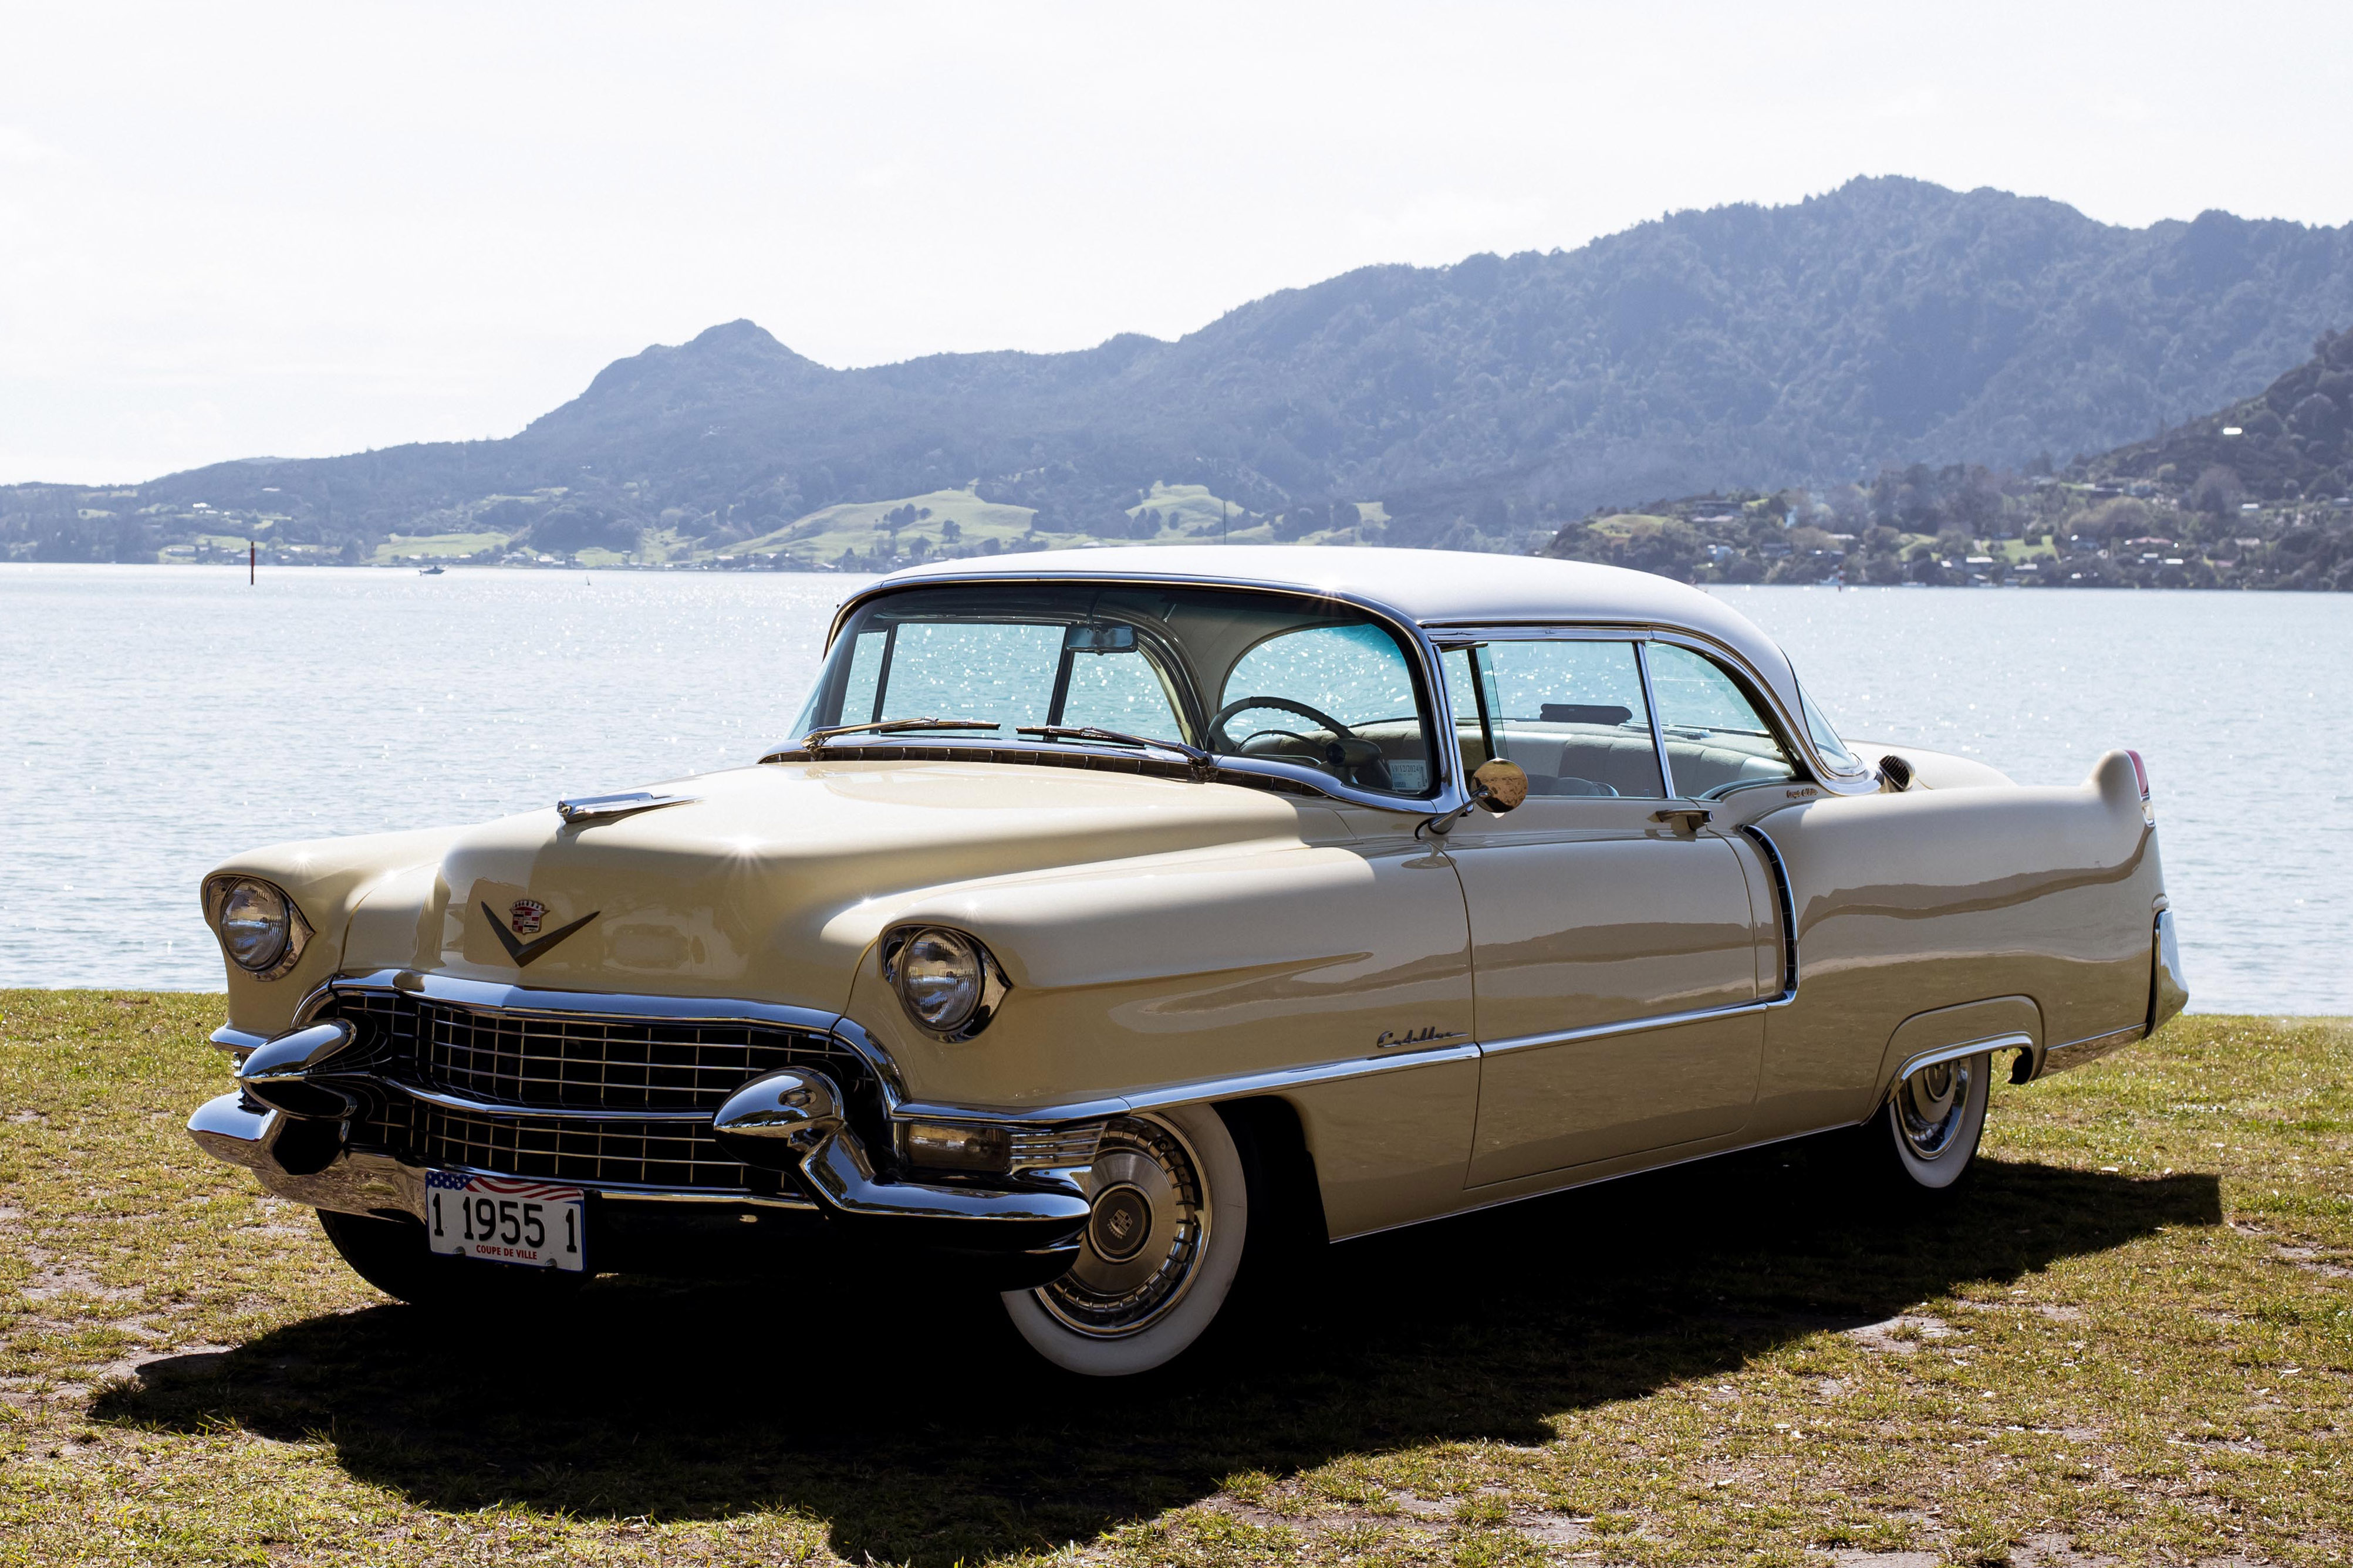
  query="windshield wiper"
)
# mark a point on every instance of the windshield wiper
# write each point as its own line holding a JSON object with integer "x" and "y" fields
{"x": 815, "y": 739}
{"x": 1193, "y": 754}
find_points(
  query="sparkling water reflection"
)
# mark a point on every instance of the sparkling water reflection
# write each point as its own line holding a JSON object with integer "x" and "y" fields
{"x": 154, "y": 721}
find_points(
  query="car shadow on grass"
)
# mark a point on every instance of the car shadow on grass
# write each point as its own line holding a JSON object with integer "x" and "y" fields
{"x": 919, "y": 1429}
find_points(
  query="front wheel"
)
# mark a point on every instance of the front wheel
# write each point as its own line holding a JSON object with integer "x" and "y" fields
{"x": 392, "y": 1255}
{"x": 1928, "y": 1132}
{"x": 1157, "y": 1260}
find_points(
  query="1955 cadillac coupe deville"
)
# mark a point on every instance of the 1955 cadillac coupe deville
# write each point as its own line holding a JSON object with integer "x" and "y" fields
{"x": 1114, "y": 914}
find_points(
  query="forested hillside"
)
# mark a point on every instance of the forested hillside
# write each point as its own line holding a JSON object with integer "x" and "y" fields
{"x": 1476, "y": 405}
{"x": 2257, "y": 495}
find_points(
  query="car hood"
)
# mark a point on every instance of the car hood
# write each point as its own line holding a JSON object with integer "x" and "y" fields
{"x": 771, "y": 882}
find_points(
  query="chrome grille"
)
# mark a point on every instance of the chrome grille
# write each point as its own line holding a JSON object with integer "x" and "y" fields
{"x": 1055, "y": 1148}
{"x": 545, "y": 1064}
{"x": 558, "y": 1149}
{"x": 603, "y": 1064}
{"x": 579, "y": 1062}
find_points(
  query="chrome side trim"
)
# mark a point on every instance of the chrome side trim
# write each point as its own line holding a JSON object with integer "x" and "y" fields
{"x": 1605, "y": 1031}
{"x": 469, "y": 1104}
{"x": 1927, "y": 1059}
{"x": 1780, "y": 872}
{"x": 1189, "y": 1093}
{"x": 2091, "y": 1048}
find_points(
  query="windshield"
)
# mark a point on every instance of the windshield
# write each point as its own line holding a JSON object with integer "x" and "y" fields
{"x": 1278, "y": 676}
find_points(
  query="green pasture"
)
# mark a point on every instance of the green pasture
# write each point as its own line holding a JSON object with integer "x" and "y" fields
{"x": 2128, "y": 1339}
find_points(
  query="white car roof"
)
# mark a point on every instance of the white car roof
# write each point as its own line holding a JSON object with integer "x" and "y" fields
{"x": 1433, "y": 588}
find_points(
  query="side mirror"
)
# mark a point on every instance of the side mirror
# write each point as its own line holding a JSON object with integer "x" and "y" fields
{"x": 1497, "y": 786}
{"x": 1500, "y": 785}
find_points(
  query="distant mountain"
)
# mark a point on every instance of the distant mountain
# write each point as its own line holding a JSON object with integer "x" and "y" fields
{"x": 2257, "y": 495}
{"x": 1890, "y": 321}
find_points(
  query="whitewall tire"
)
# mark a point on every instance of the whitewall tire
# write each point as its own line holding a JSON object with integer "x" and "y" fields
{"x": 1930, "y": 1127}
{"x": 1170, "y": 1223}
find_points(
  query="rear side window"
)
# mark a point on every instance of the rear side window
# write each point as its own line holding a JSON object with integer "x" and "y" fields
{"x": 1717, "y": 738}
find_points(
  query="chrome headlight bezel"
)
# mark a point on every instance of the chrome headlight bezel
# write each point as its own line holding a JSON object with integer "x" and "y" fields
{"x": 987, "y": 990}
{"x": 274, "y": 960}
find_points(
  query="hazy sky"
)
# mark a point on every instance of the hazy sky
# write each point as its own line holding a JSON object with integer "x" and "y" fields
{"x": 229, "y": 230}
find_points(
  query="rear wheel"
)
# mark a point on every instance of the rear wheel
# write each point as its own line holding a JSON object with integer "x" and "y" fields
{"x": 1927, "y": 1134}
{"x": 1157, "y": 1260}
{"x": 392, "y": 1256}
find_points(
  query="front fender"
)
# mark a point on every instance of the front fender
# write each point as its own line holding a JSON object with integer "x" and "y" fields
{"x": 328, "y": 878}
{"x": 1181, "y": 969}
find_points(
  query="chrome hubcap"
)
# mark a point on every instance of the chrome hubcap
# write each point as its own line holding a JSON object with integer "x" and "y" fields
{"x": 1931, "y": 1103}
{"x": 1144, "y": 1241}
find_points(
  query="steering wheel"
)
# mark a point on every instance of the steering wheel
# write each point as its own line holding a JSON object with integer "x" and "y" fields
{"x": 1347, "y": 754}
{"x": 1221, "y": 740}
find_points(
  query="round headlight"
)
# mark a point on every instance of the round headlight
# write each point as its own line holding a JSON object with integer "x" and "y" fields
{"x": 255, "y": 926}
{"x": 940, "y": 976}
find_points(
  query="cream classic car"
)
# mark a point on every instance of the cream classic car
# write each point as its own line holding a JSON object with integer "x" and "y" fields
{"x": 1115, "y": 916}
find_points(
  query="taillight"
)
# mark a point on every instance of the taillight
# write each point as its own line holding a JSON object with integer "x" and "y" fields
{"x": 2140, "y": 777}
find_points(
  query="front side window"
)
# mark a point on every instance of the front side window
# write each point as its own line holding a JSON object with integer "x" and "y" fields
{"x": 1337, "y": 697}
{"x": 1717, "y": 737}
{"x": 1284, "y": 678}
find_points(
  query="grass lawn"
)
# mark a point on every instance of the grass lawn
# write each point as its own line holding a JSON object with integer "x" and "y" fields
{"x": 2130, "y": 1339}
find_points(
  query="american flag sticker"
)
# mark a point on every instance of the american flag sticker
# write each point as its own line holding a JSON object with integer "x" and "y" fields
{"x": 505, "y": 1220}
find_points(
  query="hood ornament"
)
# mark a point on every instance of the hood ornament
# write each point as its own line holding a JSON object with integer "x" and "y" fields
{"x": 605, "y": 807}
{"x": 530, "y": 911}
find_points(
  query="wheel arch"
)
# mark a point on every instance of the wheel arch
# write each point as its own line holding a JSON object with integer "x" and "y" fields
{"x": 1272, "y": 1141}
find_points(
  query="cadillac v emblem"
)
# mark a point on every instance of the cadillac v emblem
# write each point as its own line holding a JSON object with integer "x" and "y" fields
{"x": 524, "y": 915}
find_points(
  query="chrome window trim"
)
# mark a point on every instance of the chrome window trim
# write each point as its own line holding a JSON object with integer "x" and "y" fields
{"x": 1792, "y": 731}
{"x": 1445, "y": 762}
{"x": 1658, "y": 733}
{"x": 932, "y": 747}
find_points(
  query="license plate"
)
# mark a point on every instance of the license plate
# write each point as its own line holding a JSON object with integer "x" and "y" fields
{"x": 507, "y": 1219}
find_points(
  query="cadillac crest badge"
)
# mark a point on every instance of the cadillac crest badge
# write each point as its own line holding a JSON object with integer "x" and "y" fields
{"x": 525, "y": 916}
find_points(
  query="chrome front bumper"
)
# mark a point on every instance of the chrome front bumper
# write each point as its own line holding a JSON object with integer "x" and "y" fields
{"x": 308, "y": 1121}
{"x": 1013, "y": 1237}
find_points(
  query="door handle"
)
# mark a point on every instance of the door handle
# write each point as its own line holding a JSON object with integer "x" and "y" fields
{"x": 1683, "y": 820}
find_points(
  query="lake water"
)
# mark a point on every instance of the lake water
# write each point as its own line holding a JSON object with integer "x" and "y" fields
{"x": 154, "y": 721}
